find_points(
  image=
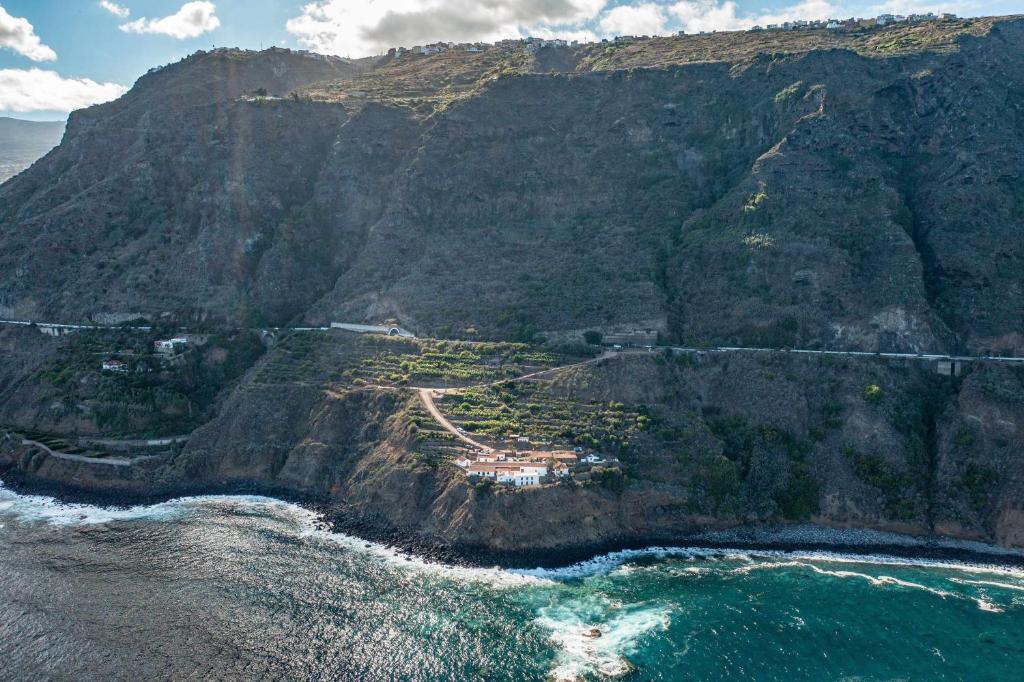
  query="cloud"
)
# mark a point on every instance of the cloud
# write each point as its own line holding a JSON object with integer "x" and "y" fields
{"x": 19, "y": 35}
{"x": 643, "y": 19}
{"x": 24, "y": 90}
{"x": 709, "y": 15}
{"x": 192, "y": 20}
{"x": 115, "y": 9}
{"x": 355, "y": 29}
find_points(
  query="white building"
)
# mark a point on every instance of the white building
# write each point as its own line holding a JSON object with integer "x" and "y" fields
{"x": 170, "y": 346}
{"x": 514, "y": 473}
{"x": 534, "y": 468}
{"x": 518, "y": 478}
{"x": 118, "y": 366}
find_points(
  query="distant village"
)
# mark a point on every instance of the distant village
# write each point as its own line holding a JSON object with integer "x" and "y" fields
{"x": 853, "y": 24}
{"x": 533, "y": 44}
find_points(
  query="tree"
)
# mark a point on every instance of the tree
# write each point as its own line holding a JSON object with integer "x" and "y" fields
{"x": 593, "y": 337}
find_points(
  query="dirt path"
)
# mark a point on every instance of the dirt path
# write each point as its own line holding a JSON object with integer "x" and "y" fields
{"x": 427, "y": 397}
{"x": 109, "y": 461}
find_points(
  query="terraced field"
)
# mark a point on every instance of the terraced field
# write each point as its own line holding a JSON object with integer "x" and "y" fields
{"x": 528, "y": 409}
{"x": 335, "y": 359}
{"x": 433, "y": 443}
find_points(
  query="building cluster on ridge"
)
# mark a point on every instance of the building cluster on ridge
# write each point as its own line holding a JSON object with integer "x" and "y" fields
{"x": 852, "y": 24}
{"x": 532, "y": 44}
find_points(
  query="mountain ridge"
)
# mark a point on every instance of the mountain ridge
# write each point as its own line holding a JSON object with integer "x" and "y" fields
{"x": 689, "y": 174}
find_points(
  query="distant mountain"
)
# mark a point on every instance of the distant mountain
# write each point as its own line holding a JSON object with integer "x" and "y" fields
{"x": 23, "y": 142}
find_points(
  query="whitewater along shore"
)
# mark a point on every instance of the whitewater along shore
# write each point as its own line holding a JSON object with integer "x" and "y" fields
{"x": 796, "y": 538}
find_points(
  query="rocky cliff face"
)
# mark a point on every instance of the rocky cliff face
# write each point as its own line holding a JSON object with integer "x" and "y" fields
{"x": 733, "y": 440}
{"x": 866, "y": 195}
{"x": 785, "y": 190}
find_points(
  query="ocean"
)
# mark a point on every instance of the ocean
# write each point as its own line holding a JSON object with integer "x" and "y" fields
{"x": 250, "y": 588}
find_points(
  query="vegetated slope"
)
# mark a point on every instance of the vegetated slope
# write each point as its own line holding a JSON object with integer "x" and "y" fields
{"x": 714, "y": 441}
{"x": 23, "y": 142}
{"x": 768, "y": 189}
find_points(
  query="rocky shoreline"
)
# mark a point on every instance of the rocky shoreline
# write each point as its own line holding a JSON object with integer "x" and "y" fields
{"x": 780, "y": 539}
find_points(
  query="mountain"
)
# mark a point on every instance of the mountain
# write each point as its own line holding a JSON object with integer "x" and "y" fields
{"x": 23, "y": 142}
{"x": 859, "y": 190}
{"x": 809, "y": 189}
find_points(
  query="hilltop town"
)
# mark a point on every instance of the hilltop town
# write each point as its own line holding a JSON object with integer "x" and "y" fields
{"x": 531, "y": 44}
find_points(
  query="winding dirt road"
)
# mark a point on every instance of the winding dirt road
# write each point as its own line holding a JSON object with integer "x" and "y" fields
{"x": 427, "y": 397}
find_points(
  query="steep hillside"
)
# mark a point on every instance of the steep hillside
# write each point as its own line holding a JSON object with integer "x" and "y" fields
{"x": 858, "y": 191}
{"x": 704, "y": 441}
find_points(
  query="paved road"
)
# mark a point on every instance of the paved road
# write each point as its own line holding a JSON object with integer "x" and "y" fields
{"x": 141, "y": 328}
{"x": 677, "y": 349}
{"x": 846, "y": 353}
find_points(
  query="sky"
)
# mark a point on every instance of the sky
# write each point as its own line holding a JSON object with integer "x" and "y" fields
{"x": 61, "y": 55}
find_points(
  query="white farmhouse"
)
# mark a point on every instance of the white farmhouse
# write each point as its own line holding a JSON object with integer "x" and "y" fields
{"x": 114, "y": 365}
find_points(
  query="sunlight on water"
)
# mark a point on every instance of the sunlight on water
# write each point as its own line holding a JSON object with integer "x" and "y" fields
{"x": 168, "y": 590}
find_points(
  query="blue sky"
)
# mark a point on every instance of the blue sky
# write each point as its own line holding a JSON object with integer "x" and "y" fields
{"x": 57, "y": 55}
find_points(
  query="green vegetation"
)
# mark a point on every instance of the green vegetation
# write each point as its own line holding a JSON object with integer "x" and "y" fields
{"x": 800, "y": 498}
{"x": 333, "y": 359}
{"x": 873, "y": 394}
{"x": 755, "y": 202}
{"x": 789, "y": 92}
{"x": 978, "y": 483}
{"x": 717, "y": 480}
{"x": 526, "y": 409}
{"x": 154, "y": 397}
{"x": 892, "y": 483}
{"x": 742, "y": 442}
{"x": 759, "y": 240}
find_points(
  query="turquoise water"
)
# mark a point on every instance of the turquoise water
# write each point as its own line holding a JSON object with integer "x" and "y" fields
{"x": 250, "y": 588}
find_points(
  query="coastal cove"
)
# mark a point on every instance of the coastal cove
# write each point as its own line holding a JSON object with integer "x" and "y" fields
{"x": 199, "y": 582}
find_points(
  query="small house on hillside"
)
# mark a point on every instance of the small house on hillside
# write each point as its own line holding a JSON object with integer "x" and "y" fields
{"x": 170, "y": 346}
{"x": 115, "y": 365}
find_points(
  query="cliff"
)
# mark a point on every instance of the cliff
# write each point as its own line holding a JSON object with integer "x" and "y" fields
{"x": 795, "y": 188}
{"x": 705, "y": 442}
{"x": 785, "y": 189}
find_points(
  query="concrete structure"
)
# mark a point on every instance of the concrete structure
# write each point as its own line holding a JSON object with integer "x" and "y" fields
{"x": 949, "y": 368}
{"x": 373, "y": 329}
{"x": 635, "y": 337}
